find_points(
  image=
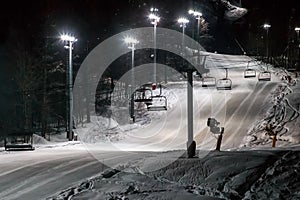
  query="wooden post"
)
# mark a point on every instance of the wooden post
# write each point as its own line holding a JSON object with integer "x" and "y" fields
{"x": 274, "y": 141}
{"x": 219, "y": 142}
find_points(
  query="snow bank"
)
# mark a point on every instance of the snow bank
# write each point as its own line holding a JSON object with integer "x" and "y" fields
{"x": 220, "y": 175}
{"x": 39, "y": 140}
{"x": 282, "y": 114}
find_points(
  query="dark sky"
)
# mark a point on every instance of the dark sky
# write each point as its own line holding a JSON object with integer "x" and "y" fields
{"x": 89, "y": 18}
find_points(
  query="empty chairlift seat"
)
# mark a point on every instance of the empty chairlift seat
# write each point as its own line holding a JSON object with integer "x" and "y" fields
{"x": 159, "y": 103}
{"x": 143, "y": 95}
{"x": 264, "y": 76}
{"x": 208, "y": 82}
{"x": 224, "y": 84}
{"x": 249, "y": 73}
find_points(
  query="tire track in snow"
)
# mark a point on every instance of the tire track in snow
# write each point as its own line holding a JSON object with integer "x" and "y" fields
{"x": 35, "y": 171}
{"x": 49, "y": 178}
{"x": 34, "y": 186}
{"x": 62, "y": 176}
{"x": 29, "y": 165}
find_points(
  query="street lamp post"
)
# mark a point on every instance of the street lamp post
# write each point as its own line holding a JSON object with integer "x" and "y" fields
{"x": 267, "y": 27}
{"x": 70, "y": 40}
{"x": 183, "y": 21}
{"x": 154, "y": 20}
{"x": 131, "y": 45}
{"x": 198, "y": 16}
{"x": 297, "y": 29}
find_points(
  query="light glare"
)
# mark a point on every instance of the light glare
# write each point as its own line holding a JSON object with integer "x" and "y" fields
{"x": 195, "y": 13}
{"x": 69, "y": 38}
{"x": 130, "y": 40}
{"x": 266, "y": 26}
{"x": 183, "y": 20}
{"x": 154, "y": 17}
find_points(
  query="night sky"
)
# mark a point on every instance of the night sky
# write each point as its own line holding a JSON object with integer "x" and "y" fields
{"x": 92, "y": 19}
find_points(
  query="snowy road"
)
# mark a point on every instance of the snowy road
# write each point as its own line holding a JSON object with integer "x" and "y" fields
{"x": 42, "y": 173}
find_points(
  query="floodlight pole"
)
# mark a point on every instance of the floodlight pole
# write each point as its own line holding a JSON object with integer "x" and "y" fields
{"x": 297, "y": 29}
{"x": 183, "y": 22}
{"x": 267, "y": 46}
{"x": 70, "y": 40}
{"x": 154, "y": 69}
{"x": 132, "y": 42}
{"x": 154, "y": 20}
{"x": 198, "y": 16}
{"x": 132, "y": 83}
{"x": 70, "y": 92}
{"x": 183, "y": 42}
{"x": 266, "y": 27}
{"x": 198, "y": 27}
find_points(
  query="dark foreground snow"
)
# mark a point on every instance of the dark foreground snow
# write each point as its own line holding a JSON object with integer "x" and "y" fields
{"x": 255, "y": 174}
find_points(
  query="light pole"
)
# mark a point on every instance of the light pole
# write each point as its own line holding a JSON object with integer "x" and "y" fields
{"x": 70, "y": 40}
{"x": 198, "y": 16}
{"x": 297, "y": 29}
{"x": 267, "y": 27}
{"x": 131, "y": 42}
{"x": 183, "y": 21}
{"x": 154, "y": 20}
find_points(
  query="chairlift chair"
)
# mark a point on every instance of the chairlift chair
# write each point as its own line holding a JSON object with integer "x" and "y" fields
{"x": 264, "y": 76}
{"x": 224, "y": 83}
{"x": 208, "y": 81}
{"x": 143, "y": 95}
{"x": 249, "y": 73}
{"x": 159, "y": 102}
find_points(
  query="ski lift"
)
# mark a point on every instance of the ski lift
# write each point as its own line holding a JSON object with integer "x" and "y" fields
{"x": 143, "y": 94}
{"x": 224, "y": 83}
{"x": 249, "y": 73}
{"x": 208, "y": 81}
{"x": 158, "y": 103}
{"x": 19, "y": 141}
{"x": 264, "y": 76}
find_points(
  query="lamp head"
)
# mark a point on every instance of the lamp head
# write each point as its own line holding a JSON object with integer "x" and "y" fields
{"x": 69, "y": 38}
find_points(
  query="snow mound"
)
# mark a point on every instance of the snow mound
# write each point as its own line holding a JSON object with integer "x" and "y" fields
{"x": 220, "y": 175}
{"x": 39, "y": 140}
{"x": 100, "y": 129}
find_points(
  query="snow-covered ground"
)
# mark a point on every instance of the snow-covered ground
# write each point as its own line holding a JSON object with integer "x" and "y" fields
{"x": 242, "y": 111}
{"x": 146, "y": 160}
{"x": 219, "y": 175}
